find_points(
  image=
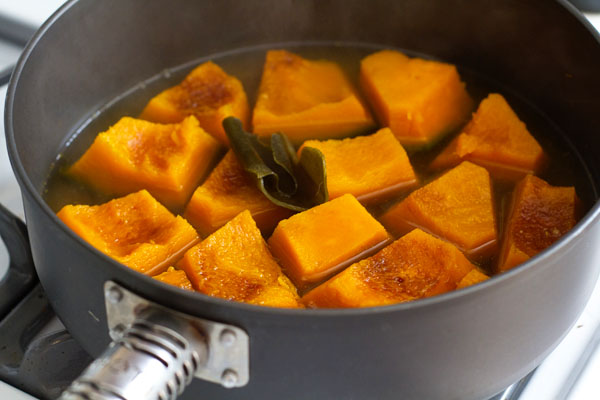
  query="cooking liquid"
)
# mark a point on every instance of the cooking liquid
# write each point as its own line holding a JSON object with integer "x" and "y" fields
{"x": 565, "y": 167}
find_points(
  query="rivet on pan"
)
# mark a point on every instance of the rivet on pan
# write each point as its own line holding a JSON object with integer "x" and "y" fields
{"x": 114, "y": 294}
{"x": 227, "y": 337}
{"x": 229, "y": 378}
{"x": 119, "y": 329}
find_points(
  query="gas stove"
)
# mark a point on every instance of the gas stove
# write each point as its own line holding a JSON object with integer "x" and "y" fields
{"x": 39, "y": 358}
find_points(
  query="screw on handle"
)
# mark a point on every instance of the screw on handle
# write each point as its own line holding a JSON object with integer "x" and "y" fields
{"x": 154, "y": 359}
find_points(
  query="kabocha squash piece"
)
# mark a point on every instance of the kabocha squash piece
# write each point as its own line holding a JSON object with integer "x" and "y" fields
{"x": 420, "y": 100}
{"x": 456, "y": 206}
{"x": 473, "y": 277}
{"x": 283, "y": 295}
{"x": 228, "y": 191}
{"x": 234, "y": 263}
{"x": 540, "y": 214}
{"x": 369, "y": 167}
{"x": 415, "y": 266}
{"x": 307, "y": 99}
{"x": 495, "y": 138}
{"x": 207, "y": 93}
{"x": 324, "y": 239}
{"x": 135, "y": 230}
{"x": 167, "y": 160}
{"x": 175, "y": 277}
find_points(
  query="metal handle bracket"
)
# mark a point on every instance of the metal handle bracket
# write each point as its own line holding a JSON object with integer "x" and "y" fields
{"x": 156, "y": 352}
{"x": 227, "y": 360}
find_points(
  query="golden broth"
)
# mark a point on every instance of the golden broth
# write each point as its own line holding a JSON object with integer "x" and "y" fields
{"x": 564, "y": 168}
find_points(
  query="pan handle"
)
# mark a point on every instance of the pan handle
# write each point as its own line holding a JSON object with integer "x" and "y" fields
{"x": 157, "y": 351}
{"x": 155, "y": 358}
{"x": 20, "y": 277}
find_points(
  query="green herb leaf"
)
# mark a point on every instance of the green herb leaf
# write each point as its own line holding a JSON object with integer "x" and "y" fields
{"x": 286, "y": 181}
{"x": 312, "y": 163}
{"x": 284, "y": 157}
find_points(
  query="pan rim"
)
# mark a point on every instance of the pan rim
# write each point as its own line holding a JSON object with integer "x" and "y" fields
{"x": 160, "y": 289}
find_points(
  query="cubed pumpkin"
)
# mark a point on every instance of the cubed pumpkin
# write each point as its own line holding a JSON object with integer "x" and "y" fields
{"x": 228, "y": 191}
{"x": 324, "y": 239}
{"x": 419, "y": 100}
{"x": 473, "y": 277}
{"x": 456, "y": 206}
{"x": 208, "y": 93}
{"x": 307, "y": 99}
{"x": 167, "y": 160}
{"x": 234, "y": 263}
{"x": 415, "y": 266}
{"x": 135, "y": 230}
{"x": 540, "y": 214}
{"x": 372, "y": 168}
{"x": 175, "y": 277}
{"x": 496, "y": 139}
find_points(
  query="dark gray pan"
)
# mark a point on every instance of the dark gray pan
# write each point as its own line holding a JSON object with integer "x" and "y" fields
{"x": 463, "y": 345}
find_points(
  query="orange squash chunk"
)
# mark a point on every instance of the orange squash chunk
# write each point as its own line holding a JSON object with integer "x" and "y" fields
{"x": 420, "y": 100}
{"x": 307, "y": 99}
{"x": 457, "y": 207}
{"x": 415, "y": 266}
{"x": 369, "y": 167}
{"x": 135, "y": 230}
{"x": 234, "y": 263}
{"x": 228, "y": 191}
{"x": 496, "y": 139}
{"x": 324, "y": 239}
{"x": 207, "y": 93}
{"x": 540, "y": 214}
{"x": 175, "y": 277}
{"x": 167, "y": 160}
{"x": 473, "y": 277}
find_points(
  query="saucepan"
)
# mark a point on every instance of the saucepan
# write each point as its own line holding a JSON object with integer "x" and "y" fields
{"x": 468, "y": 344}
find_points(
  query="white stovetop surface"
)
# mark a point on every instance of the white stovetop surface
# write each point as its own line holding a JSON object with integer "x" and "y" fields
{"x": 571, "y": 372}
